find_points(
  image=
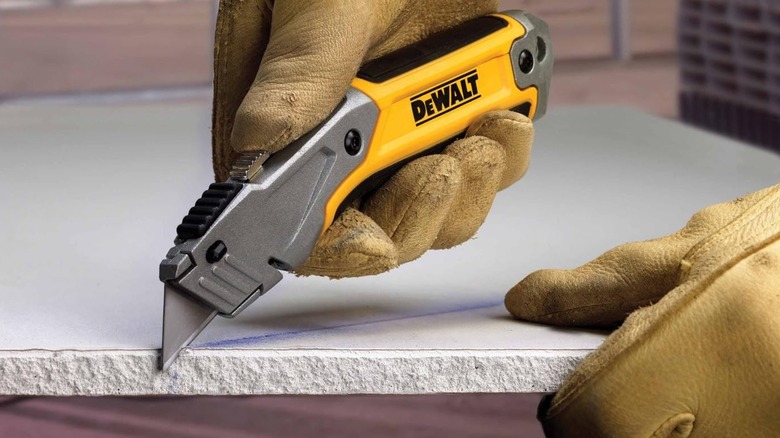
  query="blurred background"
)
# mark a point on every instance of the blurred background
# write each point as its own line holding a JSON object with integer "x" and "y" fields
{"x": 162, "y": 49}
{"x": 719, "y": 70}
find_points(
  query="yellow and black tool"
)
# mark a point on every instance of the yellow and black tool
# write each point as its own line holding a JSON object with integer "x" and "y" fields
{"x": 267, "y": 217}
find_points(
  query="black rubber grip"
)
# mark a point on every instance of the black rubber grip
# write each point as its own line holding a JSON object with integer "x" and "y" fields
{"x": 523, "y": 108}
{"x": 435, "y": 46}
{"x": 207, "y": 209}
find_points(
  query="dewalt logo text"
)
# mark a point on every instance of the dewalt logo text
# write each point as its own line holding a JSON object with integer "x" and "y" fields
{"x": 445, "y": 97}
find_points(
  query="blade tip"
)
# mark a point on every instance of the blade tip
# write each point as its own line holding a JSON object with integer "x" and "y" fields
{"x": 183, "y": 319}
{"x": 166, "y": 358}
{"x": 164, "y": 363}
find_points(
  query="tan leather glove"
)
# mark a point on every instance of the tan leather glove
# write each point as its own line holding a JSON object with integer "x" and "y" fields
{"x": 704, "y": 361}
{"x": 281, "y": 68}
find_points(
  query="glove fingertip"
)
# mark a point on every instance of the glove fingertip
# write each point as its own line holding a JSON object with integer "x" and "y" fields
{"x": 354, "y": 246}
{"x": 414, "y": 203}
{"x": 482, "y": 162}
{"x": 262, "y": 127}
{"x": 521, "y": 304}
{"x": 545, "y": 296}
{"x": 515, "y": 132}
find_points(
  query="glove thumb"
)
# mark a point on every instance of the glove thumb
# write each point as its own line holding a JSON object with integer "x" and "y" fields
{"x": 313, "y": 52}
{"x": 603, "y": 292}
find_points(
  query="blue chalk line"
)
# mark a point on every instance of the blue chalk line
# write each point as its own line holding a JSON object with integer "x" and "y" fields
{"x": 249, "y": 340}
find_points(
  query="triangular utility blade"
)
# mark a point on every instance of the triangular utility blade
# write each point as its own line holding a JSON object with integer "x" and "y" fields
{"x": 183, "y": 319}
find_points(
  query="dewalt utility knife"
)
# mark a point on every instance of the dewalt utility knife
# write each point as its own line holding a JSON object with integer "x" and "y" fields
{"x": 267, "y": 217}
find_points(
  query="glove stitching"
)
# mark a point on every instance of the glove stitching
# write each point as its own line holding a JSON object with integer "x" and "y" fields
{"x": 646, "y": 301}
{"x": 740, "y": 223}
{"x": 735, "y": 225}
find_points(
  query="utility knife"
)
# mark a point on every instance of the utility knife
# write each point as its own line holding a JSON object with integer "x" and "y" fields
{"x": 238, "y": 238}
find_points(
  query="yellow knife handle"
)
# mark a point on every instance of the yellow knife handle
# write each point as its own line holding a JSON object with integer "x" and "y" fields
{"x": 429, "y": 93}
{"x": 269, "y": 215}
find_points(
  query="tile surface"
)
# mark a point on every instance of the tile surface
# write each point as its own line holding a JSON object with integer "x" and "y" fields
{"x": 92, "y": 196}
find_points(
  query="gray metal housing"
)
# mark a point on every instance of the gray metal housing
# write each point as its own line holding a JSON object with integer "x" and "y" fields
{"x": 277, "y": 217}
{"x": 537, "y": 41}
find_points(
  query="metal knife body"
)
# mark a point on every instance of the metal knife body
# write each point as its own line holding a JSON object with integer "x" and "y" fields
{"x": 233, "y": 244}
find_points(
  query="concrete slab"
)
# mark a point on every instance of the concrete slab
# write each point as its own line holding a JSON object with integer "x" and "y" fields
{"x": 91, "y": 197}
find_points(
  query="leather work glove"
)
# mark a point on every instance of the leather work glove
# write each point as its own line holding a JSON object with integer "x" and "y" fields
{"x": 282, "y": 66}
{"x": 703, "y": 360}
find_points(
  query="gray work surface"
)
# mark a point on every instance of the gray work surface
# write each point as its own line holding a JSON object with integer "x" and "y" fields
{"x": 91, "y": 197}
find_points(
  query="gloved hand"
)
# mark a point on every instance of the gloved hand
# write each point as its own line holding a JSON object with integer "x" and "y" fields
{"x": 281, "y": 68}
{"x": 703, "y": 361}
